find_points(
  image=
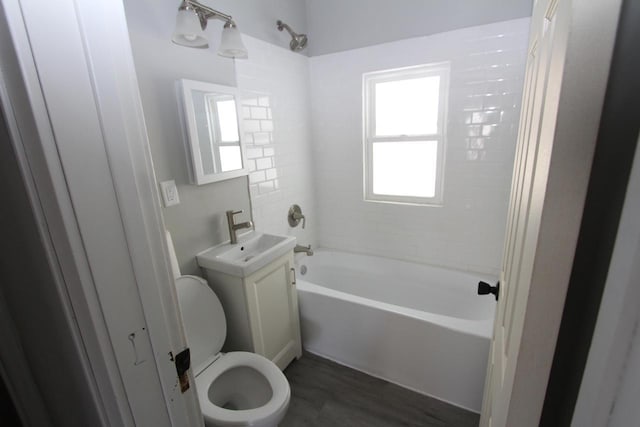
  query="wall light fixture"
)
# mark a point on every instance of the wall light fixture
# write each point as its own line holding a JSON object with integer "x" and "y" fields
{"x": 191, "y": 22}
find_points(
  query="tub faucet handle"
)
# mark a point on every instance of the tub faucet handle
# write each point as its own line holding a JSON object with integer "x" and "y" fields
{"x": 295, "y": 215}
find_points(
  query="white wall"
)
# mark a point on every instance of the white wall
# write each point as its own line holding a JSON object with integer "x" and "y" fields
{"x": 275, "y": 86}
{"x": 466, "y": 233}
{"x": 338, "y": 25}
{"x": 199, "y": 221}
{"x": 487, "y": 69}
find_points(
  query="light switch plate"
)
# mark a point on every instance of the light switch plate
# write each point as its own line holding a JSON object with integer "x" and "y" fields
{"x": 169, "y": 193}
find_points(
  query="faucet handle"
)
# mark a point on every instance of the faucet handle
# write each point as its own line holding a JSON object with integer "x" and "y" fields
{"x": 295, "y": 215}
{"x": 232, "y": 212}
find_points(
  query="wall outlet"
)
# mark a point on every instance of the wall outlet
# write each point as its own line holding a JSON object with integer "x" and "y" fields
{"x": 169, "y": 193}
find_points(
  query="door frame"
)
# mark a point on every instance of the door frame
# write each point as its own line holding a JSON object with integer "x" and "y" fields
{"x": 78, "y": 131}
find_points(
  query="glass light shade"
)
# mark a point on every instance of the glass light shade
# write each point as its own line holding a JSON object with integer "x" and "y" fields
{"x": 231, "y": 45}
{"x": 188, "y": 31}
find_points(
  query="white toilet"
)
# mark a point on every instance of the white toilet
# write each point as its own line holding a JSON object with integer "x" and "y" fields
{"x": 236, "y": 388}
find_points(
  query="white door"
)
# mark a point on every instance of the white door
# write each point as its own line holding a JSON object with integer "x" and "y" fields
{"x": 558, "y": 129}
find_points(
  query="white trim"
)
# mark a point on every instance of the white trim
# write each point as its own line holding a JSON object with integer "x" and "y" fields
{"x": 369, "y": 80}
{"x": 126, "y": 141}
{"x": 91, "y": 164}
{"x": 33, "y": 143}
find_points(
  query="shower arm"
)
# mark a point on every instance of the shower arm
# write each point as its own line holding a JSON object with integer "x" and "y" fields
{"x": 205, "y": 13}
{"x": 282, "y": 25}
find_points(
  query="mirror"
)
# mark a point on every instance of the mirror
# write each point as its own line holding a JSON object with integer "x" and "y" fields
{"x": 213, "y": 132}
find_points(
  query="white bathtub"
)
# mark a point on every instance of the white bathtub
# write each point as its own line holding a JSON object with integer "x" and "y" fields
{"x": 418, "y": 326}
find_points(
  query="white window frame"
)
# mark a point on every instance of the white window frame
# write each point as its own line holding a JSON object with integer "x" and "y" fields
{"x": 369, "y": 80}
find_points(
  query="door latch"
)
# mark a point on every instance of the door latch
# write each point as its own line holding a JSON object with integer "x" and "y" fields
{"x": 183, "y": 363}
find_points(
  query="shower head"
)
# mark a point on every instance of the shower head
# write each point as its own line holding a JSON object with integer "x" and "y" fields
{"x": 298, "y": 41}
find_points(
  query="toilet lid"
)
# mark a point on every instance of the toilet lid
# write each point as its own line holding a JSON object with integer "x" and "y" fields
{"x": 202, "y": 317}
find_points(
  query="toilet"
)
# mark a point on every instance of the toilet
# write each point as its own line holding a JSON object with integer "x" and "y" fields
{"x": 234, "y": 389}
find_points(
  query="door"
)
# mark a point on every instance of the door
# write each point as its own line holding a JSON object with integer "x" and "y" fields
{"x": 77, "y": 132}
{"x": 558, "y": 128}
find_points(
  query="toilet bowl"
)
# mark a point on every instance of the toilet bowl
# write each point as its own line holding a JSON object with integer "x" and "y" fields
{"x": 235, "y": 388}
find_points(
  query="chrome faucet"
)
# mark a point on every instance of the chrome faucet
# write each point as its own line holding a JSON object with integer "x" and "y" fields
{"x": 233, "y": 227}
{"x": 305, "y": 249}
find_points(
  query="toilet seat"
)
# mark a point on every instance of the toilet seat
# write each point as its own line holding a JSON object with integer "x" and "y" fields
{"x": 276, "y": 379}
{"x": 218, "y": 375}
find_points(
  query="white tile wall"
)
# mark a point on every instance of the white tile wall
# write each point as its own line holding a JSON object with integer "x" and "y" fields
{"x": 275, "y": 89}
{"x": 487, "y": 70}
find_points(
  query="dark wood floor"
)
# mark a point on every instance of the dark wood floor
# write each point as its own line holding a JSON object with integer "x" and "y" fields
{"x": 324, "y": 393}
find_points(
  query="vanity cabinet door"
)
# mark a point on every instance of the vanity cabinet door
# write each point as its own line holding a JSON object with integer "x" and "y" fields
{"x": 273, "y": 312}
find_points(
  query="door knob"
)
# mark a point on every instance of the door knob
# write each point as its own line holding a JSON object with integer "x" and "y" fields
{"x": 484, "y": 288}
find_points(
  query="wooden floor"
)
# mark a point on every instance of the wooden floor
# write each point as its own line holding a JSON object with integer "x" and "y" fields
{"x": 324, "y": 393}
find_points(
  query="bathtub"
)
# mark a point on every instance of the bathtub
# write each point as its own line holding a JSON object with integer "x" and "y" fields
{"x": 421, "y": 327}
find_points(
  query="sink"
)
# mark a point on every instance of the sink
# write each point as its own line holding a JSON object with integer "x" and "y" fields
{"x": 252, "y": 252}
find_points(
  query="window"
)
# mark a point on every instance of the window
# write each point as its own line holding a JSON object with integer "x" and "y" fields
{"x": 404, "y": 131}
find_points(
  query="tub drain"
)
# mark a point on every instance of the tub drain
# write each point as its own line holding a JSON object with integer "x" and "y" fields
{"x": 303, "y": 269}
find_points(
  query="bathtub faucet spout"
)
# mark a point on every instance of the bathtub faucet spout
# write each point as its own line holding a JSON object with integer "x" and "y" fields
{"x": 305, "y": 249}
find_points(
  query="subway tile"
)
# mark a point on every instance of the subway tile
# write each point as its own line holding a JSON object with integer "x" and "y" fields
{"x": 271, "y": 173}
{"x": 266, "y": 125}
{"x": 475, "y": 143}
{"x": 250, "y": 101}
{"x": 473, "y": 102}
{"x": 264, "y": 163}
{"x": 491, "y": 102}
{"x": 261, "y": 138}
{"x": 473, "y": 130}
{"x": 269, "y": 151}
{"x": 256, "y": 177}
{"x": 254, "y": 152}
{"x": 266, "y": 187}
{"x": 486, "y": 117}
{"x": 488, "y": 130}
{"x": 258, "y": 113}
{"x": 251, "y": 125}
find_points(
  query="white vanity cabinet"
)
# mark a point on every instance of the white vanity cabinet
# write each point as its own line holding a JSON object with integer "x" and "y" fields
{"x": 261, "y": 310}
